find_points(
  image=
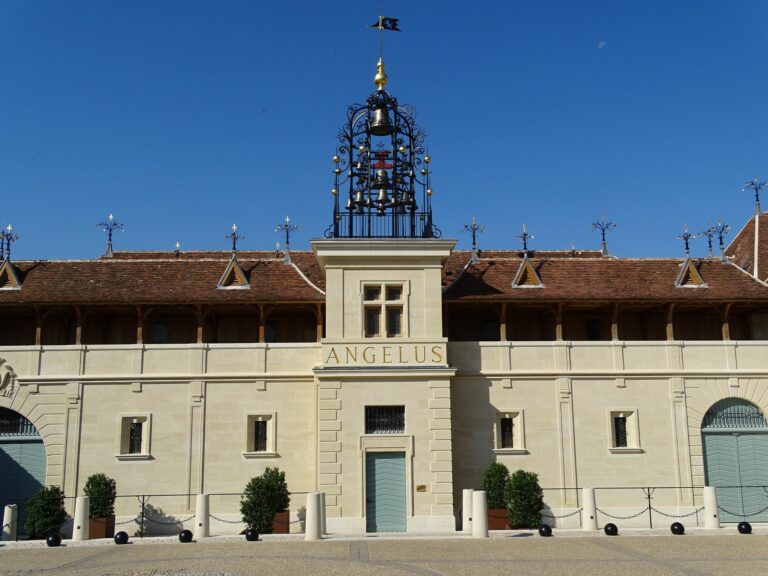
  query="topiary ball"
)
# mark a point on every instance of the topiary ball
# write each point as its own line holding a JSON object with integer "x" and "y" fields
{"x": 121, "y": 538}
{"x": 744, "y": 527}
{"x": 185, "y": 536}
{"x": 252, "y": 535}
{"x": 545, "y": 530}
{"x": 677, "y": 529}
{"x": 610, "y": 529}
{"x": 55, "y": 540}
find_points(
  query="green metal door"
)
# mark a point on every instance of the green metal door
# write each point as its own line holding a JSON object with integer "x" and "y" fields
{"x": 385, "y": 492}
{"x": 22, "y": 462}
{"x": 735, "y": 438}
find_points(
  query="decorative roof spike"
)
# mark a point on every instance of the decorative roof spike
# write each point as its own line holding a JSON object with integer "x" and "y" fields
{"x": 109, "y": 226}
{"x": 604, "y": 227}
{"x": 234, "y": 236}
{"x": 288, "y": 229}
{"x": 177, "y": 251}
{"x": 756, "y": 186}
{"x": 686, "y": 237}
{"x": 474, "y": 228}
{"x": 7, "y": 237}
{"x": 524, "y": 237}
{"x": 721, "y": 230}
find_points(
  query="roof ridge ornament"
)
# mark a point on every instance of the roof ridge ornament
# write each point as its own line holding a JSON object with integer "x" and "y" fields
{"x": 234, "y": 236}
{"x": 757, "y": 186}
{"x": 474, "y": 228}
{"x": 524, "y": 237}
{"x": 288, "y": 228}
{"x": 7, "y": 237}
{"x": 686, "y": 237}
{"x": 109, "y": 226}
{"x": 604, "y": 227}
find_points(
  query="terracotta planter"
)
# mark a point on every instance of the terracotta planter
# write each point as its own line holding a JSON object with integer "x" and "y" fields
{"x": 101, "y": 527}
{"x": 281, "y": 522}
{"x": 498, "y": 519}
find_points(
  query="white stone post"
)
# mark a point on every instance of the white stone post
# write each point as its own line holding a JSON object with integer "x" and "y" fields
{"x": 313, "y": 520}
{"x": 588, "y": 509}
{"x": 711, "y": 513}
{"x": 466, "y": 510}
{"x": 479, "y": 515}
{"x": 323, "y": 529}
{"x": 10, "y": 517}
{"x": 202, "y": 521}
{"x": 80, "y": 527}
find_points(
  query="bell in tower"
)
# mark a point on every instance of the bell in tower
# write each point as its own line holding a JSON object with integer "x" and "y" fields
{"x": 383, "y": 166}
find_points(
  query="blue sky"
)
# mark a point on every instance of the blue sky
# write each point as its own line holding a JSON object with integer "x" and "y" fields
{"x": 184, "y": 117}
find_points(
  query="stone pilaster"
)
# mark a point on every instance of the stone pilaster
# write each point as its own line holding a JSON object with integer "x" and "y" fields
{"x": 329, "y": 446}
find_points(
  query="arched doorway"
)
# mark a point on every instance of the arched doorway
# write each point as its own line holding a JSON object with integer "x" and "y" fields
{"x": 735, "y": 438}
{"x": 22, "y": 461}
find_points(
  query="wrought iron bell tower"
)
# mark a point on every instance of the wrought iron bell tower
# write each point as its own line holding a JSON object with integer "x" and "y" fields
{"x": 382, "y": 173}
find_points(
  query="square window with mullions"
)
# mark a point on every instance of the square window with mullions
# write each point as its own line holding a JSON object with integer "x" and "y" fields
{"x": 385, "y": 419}
{"x": 384, "y": 311}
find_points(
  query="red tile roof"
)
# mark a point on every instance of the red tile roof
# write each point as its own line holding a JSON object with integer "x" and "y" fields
{"x": 742, "y": 248}
{"x": 164, "y": 279}
{"x": 595, "y": 279}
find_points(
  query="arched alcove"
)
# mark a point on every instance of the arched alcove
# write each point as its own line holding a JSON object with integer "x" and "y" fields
{"x": 22, "y": 461}
{"x": 735, "y": 442}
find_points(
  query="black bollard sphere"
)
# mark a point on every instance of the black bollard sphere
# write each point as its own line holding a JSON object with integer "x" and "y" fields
{"x": 185, "y": 536}
{"x": 610, "y": 529}
{"x": 744, "y": 527}
{"x": 545, "y": 530}
{"x": 53, "y": 540}
{"x": 252, "y": 535}
{"x": 121, "y": 538}
{"x": 677, "y": 529}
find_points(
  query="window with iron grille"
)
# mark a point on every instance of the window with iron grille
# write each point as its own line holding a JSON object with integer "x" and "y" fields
{"x": 620, "y": 431}
{"x": 385, "y": 419}
{"x": 384, "y": 310}
{"x": 260, "y": 436}
{"x": 135, "y": 438}
{"x": 507, "y": 433}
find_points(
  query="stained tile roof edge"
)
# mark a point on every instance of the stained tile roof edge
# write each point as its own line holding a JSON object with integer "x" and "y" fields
{"x": 307, "y": 280}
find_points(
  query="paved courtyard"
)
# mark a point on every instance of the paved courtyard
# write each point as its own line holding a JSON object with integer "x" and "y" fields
{"x": 575, "y": 553}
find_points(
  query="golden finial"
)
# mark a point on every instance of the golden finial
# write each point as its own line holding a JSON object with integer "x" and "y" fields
{"x": 381, "y": 76}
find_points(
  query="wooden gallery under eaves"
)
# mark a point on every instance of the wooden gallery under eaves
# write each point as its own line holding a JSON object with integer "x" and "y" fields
{"x": 385, "y": 368}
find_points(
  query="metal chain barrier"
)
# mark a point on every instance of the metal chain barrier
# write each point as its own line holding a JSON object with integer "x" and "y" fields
{"x": 563, "y": 516}
{"x": 137, "y": 520}
{"x": 678, "y": 515}
{"x": 643, "y": 511}
{"x": 742, "y": 515}
{"x": 226, "y": 521}
{"x": 168, "y": 523}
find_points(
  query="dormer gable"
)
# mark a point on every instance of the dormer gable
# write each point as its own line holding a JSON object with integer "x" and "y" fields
{"x": 9, "y": 280}
{"x": 689, "y": 276}
{"x": 526, "y": 276}
{"x": 234, "y": 277}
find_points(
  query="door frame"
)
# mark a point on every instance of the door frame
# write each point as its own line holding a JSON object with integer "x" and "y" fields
{"x": 388, "y": 443}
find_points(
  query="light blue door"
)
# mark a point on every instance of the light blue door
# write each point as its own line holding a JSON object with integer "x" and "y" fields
{"x": 735, "y": 438}
{"x": 385, "y": 492}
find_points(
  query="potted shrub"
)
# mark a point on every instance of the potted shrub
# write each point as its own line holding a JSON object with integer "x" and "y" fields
{"x": 495, "y": 479}
{"x": 525, "y": 499}
{"x": 102, "y": 491}
{"x": 264, "y": 503}
{"x": 45, "y": 513}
